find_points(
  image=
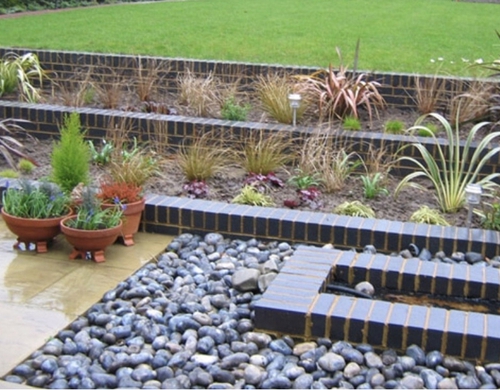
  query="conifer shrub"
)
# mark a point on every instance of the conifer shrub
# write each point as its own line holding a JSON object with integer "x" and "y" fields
{"x": 70, "y": 158}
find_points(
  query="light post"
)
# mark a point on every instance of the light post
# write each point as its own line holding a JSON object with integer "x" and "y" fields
{"x": 473, "y": 198}
{"x": 294, "y": 99}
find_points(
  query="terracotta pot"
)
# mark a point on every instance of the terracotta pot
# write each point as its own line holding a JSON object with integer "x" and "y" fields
{"x": 92, "y": 242}
{"x": 132, "y": 219}
{"x": 33, "y": 231}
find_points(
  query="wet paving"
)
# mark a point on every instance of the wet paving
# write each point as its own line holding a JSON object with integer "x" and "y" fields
{"x": 41, "y": 293}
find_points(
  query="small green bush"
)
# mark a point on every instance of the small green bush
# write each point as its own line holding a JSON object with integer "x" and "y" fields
{"x": 354, "y": 209}
{"x": 25, "y": 166}
{"x": 249, "y": 195}
{"x": 394, "y": 127}
{"x": 232, "y": 111}
{"x": 9, "y": 173}
{"x": 351, "y": 123}
{"x": 430, "y": 216}
{"x": 430, "y": 130}
{"x": 71, "y": 156}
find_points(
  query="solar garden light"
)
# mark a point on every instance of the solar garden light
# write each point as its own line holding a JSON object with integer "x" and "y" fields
{"x": 473, "y": 197}
{"x": 294, "y": 99}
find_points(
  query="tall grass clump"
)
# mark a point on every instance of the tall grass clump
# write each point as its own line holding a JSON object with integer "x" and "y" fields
{"x": 273, "y": 91}
{"x": 70, "y": 158}
{"x": 265, "y": 152}
{"x": 202, "y": 158}
{"x": 455, "y": 165}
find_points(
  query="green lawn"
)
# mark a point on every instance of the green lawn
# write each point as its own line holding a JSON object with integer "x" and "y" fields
{"x": 396, "y": 35}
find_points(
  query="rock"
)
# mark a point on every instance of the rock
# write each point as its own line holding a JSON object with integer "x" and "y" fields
{"x": 454, "y": 364}
{"x": 431, "y": 378}
{"x": 416, "y": 353}
{"x": 473, "y": 257}
{"x": 253, "y": 375}
{"x": 412, "y": 381}
{"x": 370, "y": 249}
{"x": 366, "y": 288}
{"x": 389, "y": 357}
{"x": 304, "y": 381}
{"x": 467, "y": 382}
{"x": 301, "y": 348}
{"x": 351, "y": 370}
{"x": 425, "y": 255}
{"x": 265, "y": 281}
{"x": 245, "y": 279}
{"x": 280, "y": 346}
{"x": 331, "y": 362}
{"x": 262, "y": 340}
{"x": 352, "y": 355}
{"x": 447, "y": 383}
{"x": 433, "y": 358}
{"x": 372, "y": 360}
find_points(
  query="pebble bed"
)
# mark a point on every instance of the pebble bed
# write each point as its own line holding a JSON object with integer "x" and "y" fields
{"x": 185, "y": 321}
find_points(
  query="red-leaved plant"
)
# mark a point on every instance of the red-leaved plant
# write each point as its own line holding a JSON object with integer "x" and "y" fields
{"x": 119, "y": 192}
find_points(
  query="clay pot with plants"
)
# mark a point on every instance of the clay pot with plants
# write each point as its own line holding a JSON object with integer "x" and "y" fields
{"x": 93, "y": 228}
{"x": 123, "y": 188}
{"x": 33, "y": 213}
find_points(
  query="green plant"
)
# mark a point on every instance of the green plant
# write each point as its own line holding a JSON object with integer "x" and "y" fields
{"x": 203, "y": 158}
{"x": 102, "y": 156}
{"x": 454, "y": 166}
{"x": 354, "y": 209}
{"x": 134, "y": 168}
{"x": 340, "y": 93}
{"x": 490, "y": 215}
{"x": 430, "y": 129}
{"x": 430, "y": 216}
{"x": 232, "y": 111}
{"x": 394, "y": 127}
{"x": 249, "y": 195}
{"x": 303, "y": 181}
{"x": 265, "y": 152}
{"x": 273, "y": 91}
{"x": 351, "y": 123}
{"x": 9, "y": 173}
{"x": 40, "y": 202}
{"x": 25, "y": 166}
{"x": 19, "y": 72}
{"x": 70, "y": 155}
{"x": 373, "y": 185}
{"x": 91, "y": 216}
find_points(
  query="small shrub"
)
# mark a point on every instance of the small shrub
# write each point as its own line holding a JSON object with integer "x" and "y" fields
{"x": 25, "y": 166}
{"x": 70, "y": 156}
{"x": 340, "y": 93}
{"x": 430, "y": 216}
{"x": 102, "y": 156}
{"x": 249, "y": 195}
{"x": 19, "y": 72}
{"x": 429, "y": 130}
{"x": 203, "y": 158}
{"x": 263, "y": 182}
{"x": 266, "y": 152}
{"x": 196, "y": 189}
{"x": 429, "y": 94}
{"x": 351, "y": 123}
{"x": 273, "y": 91}
{"x": 232, "y": 111}
{"x": 373, "y": 186}
{"x": 394, "y": 127}
{"x": 304, "y": 181}
{"x": 449, "y": 176}
{"x": 9, "y": 145}
{"x": 133, "y": 168}
{"x": 9, "y": 173}
{"x": 354, "y": 209}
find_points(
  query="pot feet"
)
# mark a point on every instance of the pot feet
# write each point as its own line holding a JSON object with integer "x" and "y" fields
{"x": 97, "y": 256}
{"x": 128, "y": 239}
{"x": 40, "y": 246}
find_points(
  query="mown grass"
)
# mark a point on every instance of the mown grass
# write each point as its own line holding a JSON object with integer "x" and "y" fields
{"x": 396, "y": 35}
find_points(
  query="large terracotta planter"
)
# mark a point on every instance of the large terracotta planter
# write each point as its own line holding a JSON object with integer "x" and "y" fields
{"x": 33, "y": 231}
{"x": 132, "y": 218}
{"x": 92, "y": 242}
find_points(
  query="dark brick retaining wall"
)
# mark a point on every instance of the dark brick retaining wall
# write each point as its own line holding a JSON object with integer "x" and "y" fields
{"x": 305, "y": 309}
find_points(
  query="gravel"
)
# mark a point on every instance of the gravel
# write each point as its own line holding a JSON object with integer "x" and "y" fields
{"x": 185, "y": 321}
